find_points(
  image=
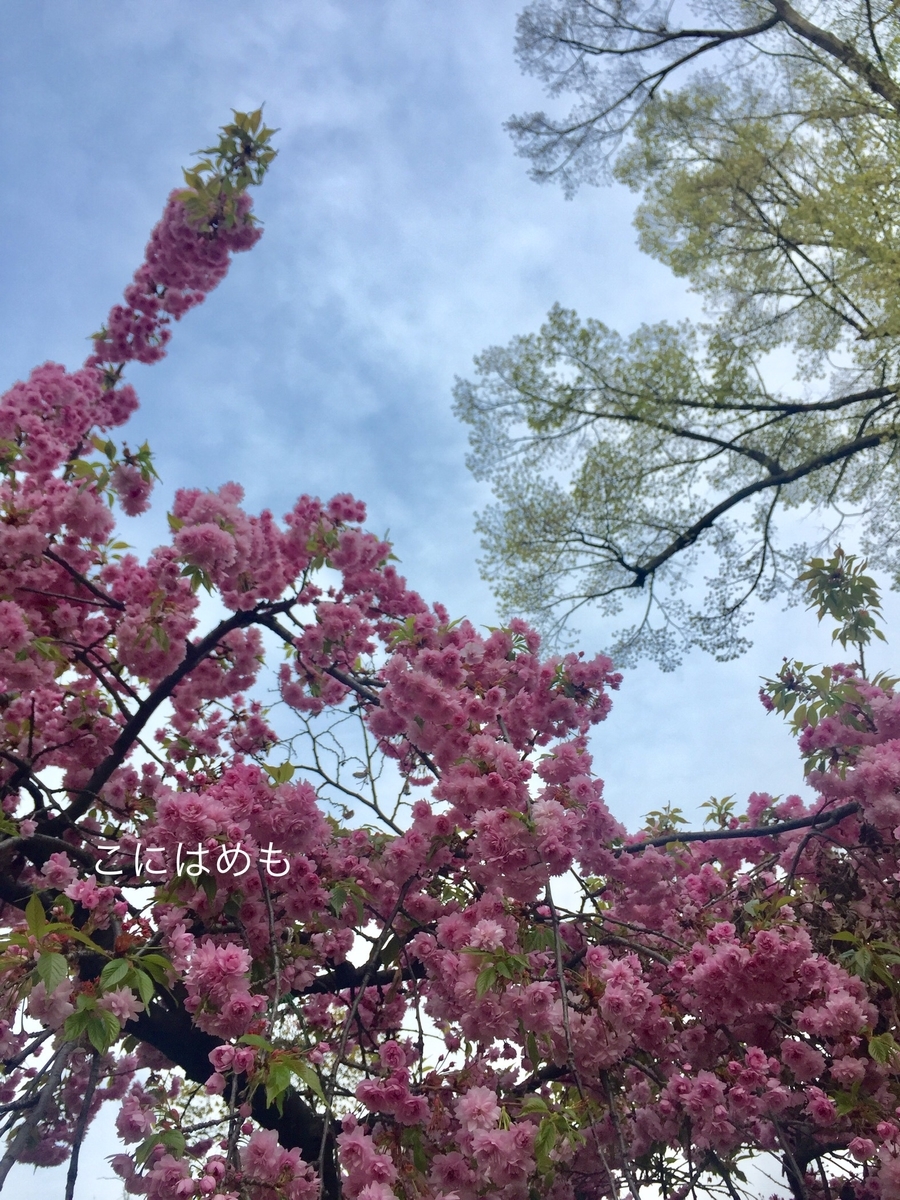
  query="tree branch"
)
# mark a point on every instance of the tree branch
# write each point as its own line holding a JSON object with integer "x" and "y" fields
{"x": 99, "y": 595}
{"x": 820, "y": 820}
{"x": 172, "y": 1032}
{"x": 87, "y": 795}
{"x": 642, "y": 571}
{"x": 876, "y": 79}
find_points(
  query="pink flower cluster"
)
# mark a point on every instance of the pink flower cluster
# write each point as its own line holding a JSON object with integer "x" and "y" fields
{"x": 181, "y": 266}
{"x": 219, "y": 995}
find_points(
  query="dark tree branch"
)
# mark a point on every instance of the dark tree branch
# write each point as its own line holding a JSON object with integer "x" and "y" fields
{"x": 819, "y": 821}
{"x": 642, "y": 571}
{"x": 348, "y": 681}
{"x": 81, "y": 1126}
{"x": 875, "y": 79}
{"x": 171, "y": 1031}
{"x": 346, "y": 978}
{"x": 99, "y": 595}
{"x": 88, "y": 795}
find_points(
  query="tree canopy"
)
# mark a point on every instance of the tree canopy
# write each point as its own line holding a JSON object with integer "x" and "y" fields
{"x": 764, "y": 147}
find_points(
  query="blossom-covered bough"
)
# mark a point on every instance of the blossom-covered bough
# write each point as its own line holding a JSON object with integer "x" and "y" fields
{"x": 313, "y": 942}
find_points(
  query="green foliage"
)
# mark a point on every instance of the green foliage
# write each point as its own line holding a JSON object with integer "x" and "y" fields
{"x": 623, "y": 465}
{"x": 883, "y": 1049}
{"x": 665, "y": 820}
{"x": 101, "y": 1026}
{"x": 559, "y": 1127}
{"x": 720, "y": 811}
{"x": 283, "y": 773}
{"x": 98, "y": 474}
{"x": 499, "y": 964}
{"x": 839, "y": 589}
{"x": 348, "y": 890}
{"x": 173, "y": 1140}
{"x": 282, "y": 1067}
{"x": 35, "y": 917}
{"x": 239, "y": 160}
{"x": 809, "y": 698}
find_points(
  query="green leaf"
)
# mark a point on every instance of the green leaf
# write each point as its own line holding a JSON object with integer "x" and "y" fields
{"x": 76, "y": 1024}
{"x": 280, "y": 774}
{"x": 82, "y": 937}
{"x": 532, "y": 1103}
{"x": 882, "y": 1048}
{"x": 157, "y": 966}
{"x": 144, "y": 985}
{"x": 487, "y": 977}
{"x": 114, "y": 972}
{"x": 309, "y": 1076}
{"x": 146, "y": 1148}
{"x": 412, "y": 1139}
{"x": 172, "y": 1139}
{"x": 277, "y": 1083}
{"x": 35, "y": 917}
{"x": 102, "y": 1029}
{"x": 544, "y": 1142}
{"x": 52, "y": 969}
{"x": 254, "y": 1039}
{"x": 538, "y": 938}
{"x": 531, "y": 1049}
{"x": 82, "y": 469}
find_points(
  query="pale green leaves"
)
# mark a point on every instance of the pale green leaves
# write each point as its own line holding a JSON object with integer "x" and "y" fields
{"x": 239, "y": 160}
{"x": 281, "y": 1070}
{"x": 173, "y": 1140}
{"x": 277, "y": 1068}
{"x": 839, "y": 589}
{"x": 621, "y": 465}
{"x": 283, "y": 773}
{"x": 618, "y": 464}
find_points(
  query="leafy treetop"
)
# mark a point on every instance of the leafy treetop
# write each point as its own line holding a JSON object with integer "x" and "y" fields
{"x": 764, "y": 149}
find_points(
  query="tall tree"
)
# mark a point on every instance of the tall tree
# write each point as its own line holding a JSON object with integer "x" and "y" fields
{"x": 765, "y": 148}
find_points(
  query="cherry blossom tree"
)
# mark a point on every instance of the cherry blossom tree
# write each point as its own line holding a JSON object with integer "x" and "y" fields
{"x": 364, "y": 926}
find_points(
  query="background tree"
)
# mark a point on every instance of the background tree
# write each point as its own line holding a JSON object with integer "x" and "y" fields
{"x": 765, "y": 149}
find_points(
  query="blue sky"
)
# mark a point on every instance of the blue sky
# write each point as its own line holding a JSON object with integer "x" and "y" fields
{"x": 403, "y": 236}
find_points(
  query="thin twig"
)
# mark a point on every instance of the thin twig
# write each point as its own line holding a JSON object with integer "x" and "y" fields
{"x": 276, "y": 957}
{"x": 81, "y": 1125}
{"x": 103, "y": 598}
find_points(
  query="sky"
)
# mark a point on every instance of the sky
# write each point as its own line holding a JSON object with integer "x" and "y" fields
{"x": 402, "y": 237}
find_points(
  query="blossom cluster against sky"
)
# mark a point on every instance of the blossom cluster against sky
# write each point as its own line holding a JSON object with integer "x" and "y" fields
{"x": 403, "y": 236}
